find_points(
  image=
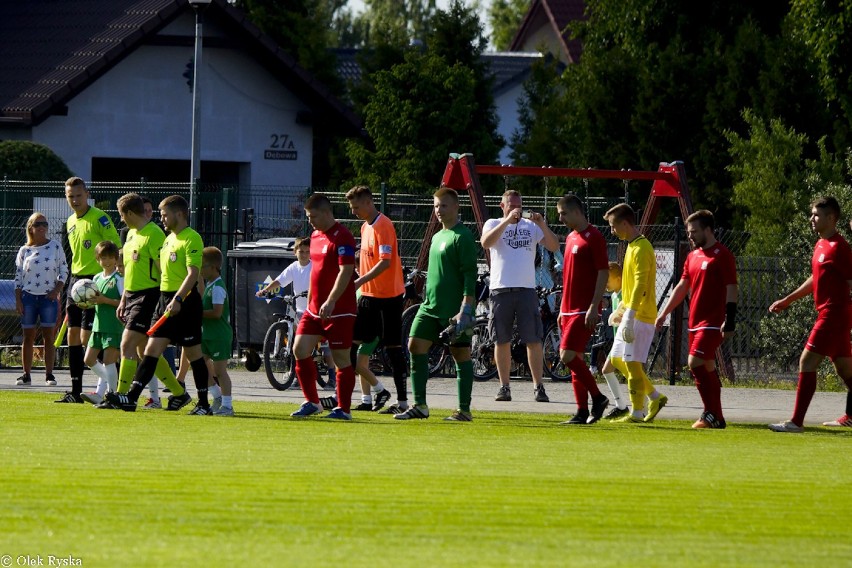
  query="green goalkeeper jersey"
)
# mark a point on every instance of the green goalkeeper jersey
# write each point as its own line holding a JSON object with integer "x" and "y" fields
{"x": 451, "y": 274}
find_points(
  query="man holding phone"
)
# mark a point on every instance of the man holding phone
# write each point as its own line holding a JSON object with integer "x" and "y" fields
{"x": 513, "y": 240}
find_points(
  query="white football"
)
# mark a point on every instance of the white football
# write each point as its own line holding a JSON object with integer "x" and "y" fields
{"x": 82, "y": 293}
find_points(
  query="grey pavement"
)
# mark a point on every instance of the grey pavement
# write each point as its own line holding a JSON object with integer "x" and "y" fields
{"x": 742, "y": 405}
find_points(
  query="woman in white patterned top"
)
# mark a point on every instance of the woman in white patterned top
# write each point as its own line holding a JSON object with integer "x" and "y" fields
{"x": 40, "y": 274}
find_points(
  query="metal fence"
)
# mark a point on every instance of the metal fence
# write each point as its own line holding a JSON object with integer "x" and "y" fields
{"x": 228, "y": 215}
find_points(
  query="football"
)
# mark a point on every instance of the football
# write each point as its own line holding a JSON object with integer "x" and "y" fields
{"x": 82, "y": 293}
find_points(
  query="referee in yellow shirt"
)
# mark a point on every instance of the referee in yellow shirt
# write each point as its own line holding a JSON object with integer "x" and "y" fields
{"x": 86, "y": 227}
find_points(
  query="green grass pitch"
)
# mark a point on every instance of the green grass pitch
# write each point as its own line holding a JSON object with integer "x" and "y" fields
{"x": 162, "y": 489}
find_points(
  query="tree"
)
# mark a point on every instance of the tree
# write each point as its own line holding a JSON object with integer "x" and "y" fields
{"x": 825, "y": 30}
{"x": 302, "y": 29}
{"x": 767, "y": 169}
{"x": 436, "y": 101}
{"x": 23, "y": 160}
{"x": 505, "y": 17}
{"x": 663, "y": 80}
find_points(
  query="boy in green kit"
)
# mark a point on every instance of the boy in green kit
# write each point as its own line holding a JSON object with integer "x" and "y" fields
{"x": 217, "y": 336}
{"x": 106, "y": 328}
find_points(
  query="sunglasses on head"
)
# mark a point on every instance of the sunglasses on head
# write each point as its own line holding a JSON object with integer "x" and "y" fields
{"x": 40, "y": 224}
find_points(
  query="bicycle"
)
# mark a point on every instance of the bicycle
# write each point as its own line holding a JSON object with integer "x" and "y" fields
{"x": 278, "y": 359}
{"x": 482, "y": 343}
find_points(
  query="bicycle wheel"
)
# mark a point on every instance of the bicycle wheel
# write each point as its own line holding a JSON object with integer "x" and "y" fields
{"x": 277, "y": 357}
{"x": 552, "y": 362}
{"x": 482, "y": 352}
{"x": 323, "y": 380}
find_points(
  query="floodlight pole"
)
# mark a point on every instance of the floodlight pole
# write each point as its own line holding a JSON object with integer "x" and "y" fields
{"x": 195, "y": 168}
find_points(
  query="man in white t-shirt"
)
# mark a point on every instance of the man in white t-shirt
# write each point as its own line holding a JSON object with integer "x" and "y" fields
{"x": 512, "y": 240}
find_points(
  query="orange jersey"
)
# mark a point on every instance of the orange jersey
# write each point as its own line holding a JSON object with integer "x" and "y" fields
{"x": 378, "y": 242}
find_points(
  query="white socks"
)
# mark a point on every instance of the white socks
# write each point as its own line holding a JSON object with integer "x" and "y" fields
{"x": 107, "y": 377}
{"x": 615, "y": 389}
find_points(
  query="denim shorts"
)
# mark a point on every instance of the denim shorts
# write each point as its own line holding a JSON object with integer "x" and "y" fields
{"x": 38, "y": 308}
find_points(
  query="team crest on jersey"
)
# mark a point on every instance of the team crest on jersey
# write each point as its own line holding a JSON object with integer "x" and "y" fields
{"x": 574, "y": 249}
{"x": 87, "y": 244}
{"x": 173, "y": 257}
{"x": 324, "y": 249}
{"x": 136, "y": 256}
{"x": 704, "y": 265}
{"x": 821, "y": 258}
{"x": 443, "y": 246}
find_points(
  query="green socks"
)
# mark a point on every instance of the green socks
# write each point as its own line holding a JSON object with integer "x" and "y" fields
{"x": 419, "y": 376}
{"x": 464, "y": 372}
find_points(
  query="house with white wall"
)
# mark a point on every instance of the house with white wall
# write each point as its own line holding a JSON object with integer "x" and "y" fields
{"x": 101, "y": 82}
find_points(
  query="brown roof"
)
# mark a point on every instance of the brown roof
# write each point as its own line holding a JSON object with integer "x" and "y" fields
{"x": 51, "y": 50}
{"x": 559, "y": 14}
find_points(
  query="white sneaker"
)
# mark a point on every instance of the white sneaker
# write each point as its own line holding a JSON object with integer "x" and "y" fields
{"x": 787, "y": 426}
{"x": 92, "y": 397}
{"x": 224, "y": 411}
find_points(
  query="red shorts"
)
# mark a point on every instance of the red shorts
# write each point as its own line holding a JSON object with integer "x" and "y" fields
{"x": 575, "y": 334}
{"x": 830, "y": 337}
{"x": 703, "y": 343}
{"x": 338, "y": 331}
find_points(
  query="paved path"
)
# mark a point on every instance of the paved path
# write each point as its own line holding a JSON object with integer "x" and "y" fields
{"x": 742, "y": 405}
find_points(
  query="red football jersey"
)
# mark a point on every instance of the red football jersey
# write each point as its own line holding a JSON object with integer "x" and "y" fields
{"x": 329, "y": 250}
{"x": 831, "y": 266}
{"x": 585, "y": 255}
{"x": 709, "y": 272}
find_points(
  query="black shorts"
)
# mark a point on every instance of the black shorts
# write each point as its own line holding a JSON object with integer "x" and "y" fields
{"x": 183, "y": 329}
{"x": 139, "y": 309}
{"x": 379, "y": 317}
{"x": 78, "y": 317}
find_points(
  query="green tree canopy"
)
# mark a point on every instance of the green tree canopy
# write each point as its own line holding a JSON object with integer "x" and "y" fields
{"x": 436, "y": 101}
{"x": 23, "y": 160}
{"x": 505, "y": 17}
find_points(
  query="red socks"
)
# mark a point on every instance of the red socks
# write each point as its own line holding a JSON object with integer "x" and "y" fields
{"x": 306, "y": 372}
{"x": 581, "y": 393}
{"x": 710, "y": 388}
{"x": 804, "y": 393}
{"x": 580, "y": 371}
{"x": 345, "y": 386}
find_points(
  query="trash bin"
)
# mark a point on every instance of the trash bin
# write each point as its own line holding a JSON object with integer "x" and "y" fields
{"x": 254, "y": 265}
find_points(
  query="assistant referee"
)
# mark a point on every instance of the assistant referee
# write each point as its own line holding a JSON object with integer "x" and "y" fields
{"x": 86, "y": 227}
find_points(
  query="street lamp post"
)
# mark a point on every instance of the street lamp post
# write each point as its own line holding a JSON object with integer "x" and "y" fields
{"x": 195, "y": 168}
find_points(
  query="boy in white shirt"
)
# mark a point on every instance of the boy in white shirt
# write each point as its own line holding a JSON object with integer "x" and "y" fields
{"x": 299, "y": 274}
